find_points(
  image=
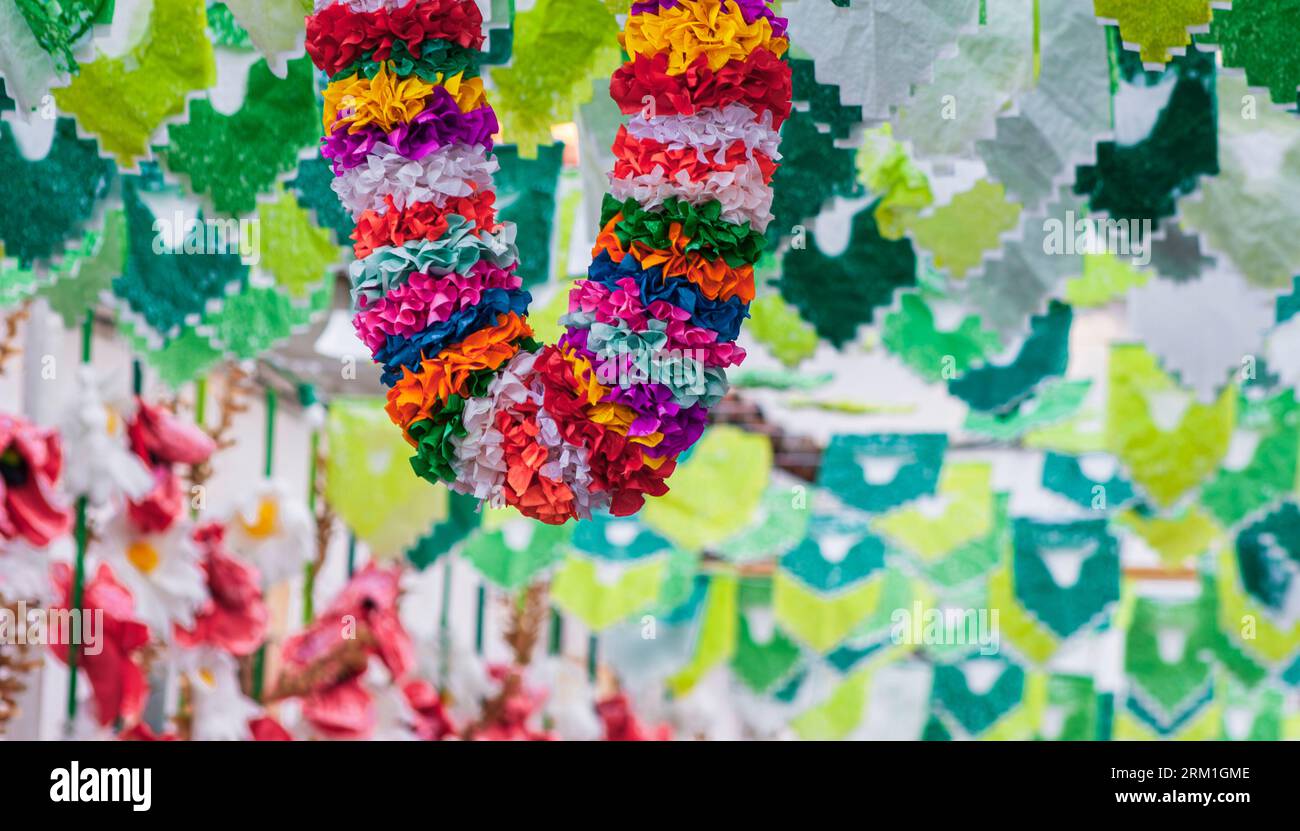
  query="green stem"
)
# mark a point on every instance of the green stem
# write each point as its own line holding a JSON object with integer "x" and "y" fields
{"x": 83, "y": 541}
{"x": 259, "y": 660}
{"x": 1038, "y": 41}
{"x": 271, "y": 401}
{"x": 444, "y": 634}
{"x": 309, "y": 575}
{"x": 556, "y": 641}
{"x": 478, "y": 619}
{"x": 78, "y": 595}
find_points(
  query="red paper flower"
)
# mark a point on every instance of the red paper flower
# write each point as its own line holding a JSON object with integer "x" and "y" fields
{"x": 621, "y": 724}
{"x": 163, "y": 441}
{"x": 432, "y": 721}
{"x": 234, "y": 619}
{"x": 338, "y": 37}
{"x": 267, "y": 729}
{"x": 760, "y": 82}
{"x": 510, "y": 722}
{"x": 639, "y": 156}
{"x": 117, "y": 683}
{"x": 420, "y": 221}
{"x": 142, "y": 732}
{"x": 31, "y": 461}
{"x": 365, "y": 611}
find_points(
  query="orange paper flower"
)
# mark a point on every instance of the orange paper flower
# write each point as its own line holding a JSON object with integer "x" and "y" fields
{"x": 419, "y": 395}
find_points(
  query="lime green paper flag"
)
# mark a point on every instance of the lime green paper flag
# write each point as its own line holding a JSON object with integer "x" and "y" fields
{"x": 369, "y": 482}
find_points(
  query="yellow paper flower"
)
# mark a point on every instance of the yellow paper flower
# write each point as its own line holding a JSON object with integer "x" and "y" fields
{"x": 699, "y": 27}
{"x": 468, "y": 93}
{"x": 617, "y": 417}
{"x": 383, "y": 100}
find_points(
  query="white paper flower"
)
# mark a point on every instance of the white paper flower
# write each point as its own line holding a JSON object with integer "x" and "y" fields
{"x": 451, "y": 171}
{"x": 275, "y": 532}
{"x": 99, "y": 463}
{"x": 221, "y": 711}
{"x": 570, "y": 703}
{"x": 161, "y": 571}
{"x": 25, "y": 571}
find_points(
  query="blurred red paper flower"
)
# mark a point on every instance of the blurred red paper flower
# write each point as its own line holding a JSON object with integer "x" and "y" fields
{"x": 107, "y": 654}
{"x": 31, "y": 461}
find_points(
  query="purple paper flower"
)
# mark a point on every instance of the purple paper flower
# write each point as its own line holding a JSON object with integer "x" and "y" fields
{"x": 439, "y": 124}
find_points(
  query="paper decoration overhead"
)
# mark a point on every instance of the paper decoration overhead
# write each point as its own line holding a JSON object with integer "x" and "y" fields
{"x": 597, "y": 421}
{"x": 71, "y": 180}
{"x": 855, "y": 45}
{"x": 1256, "y": 36}
{"x": 994, "y": 62}
{"x": 151, "y": 85}
{"x": 1245, "y": 211}
{"x": 1204, "y": 329}
{"x": 1055, "y": 124}
{"x": 1168, "y": 441}
{"x": 231, "y": 159}
{"x": 837, "y": 294}
{"x": 1156, "y": 30}
{"x": 369, "y": 483}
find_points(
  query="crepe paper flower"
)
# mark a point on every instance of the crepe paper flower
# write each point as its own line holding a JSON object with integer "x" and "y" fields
{"x": 760, "y": 82}
{"x": 274, "y": 531}
{"x": 460, "y": 249}
{"x": 162, "y": 441}
{"x": 384, "y": 101}
{"x": 508, "y": 717}
{"x": 118, "y": 684}
{"x": 161, "y": 570}
{"x": 621, "y": 724}
{"x": 416, "y": 396}
{"x": 596, "y": 421}
{"x": 443, "y": 175}
{"x": 338, "y": 37}
{"x": 31, "y": 460}
{"x": 363, "y": 621}
{"x": 424, "y": 300}
{"x": 403, "y": 352}
{"x": 723, "y": 317}
{"x": 142, "y": 732}
{"x": 634, "y": 156}
{"x": 267, "y": 729}
{"x": 440, "y": 124}
{"x": 705, "y": 229}
{"x": 752, "y": 10}
{"x": 570, "y": 704}
{"x": 422, "y": 220}
{"x": 433, "y": 721}
{"x": 25, "y": 569}
{"x": 234, "y": 618}
{"x": 712, "y": 133}
{"x": 94, "y": 434}
{"x": 742, "y": 192}
{"x": 219, "y": 710}
{"x": 699, "y": 28}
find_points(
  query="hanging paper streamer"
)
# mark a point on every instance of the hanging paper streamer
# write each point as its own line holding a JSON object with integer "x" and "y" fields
{"x": 597, "y": 421}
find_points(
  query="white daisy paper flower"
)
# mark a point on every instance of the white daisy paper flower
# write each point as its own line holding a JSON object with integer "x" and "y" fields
{"x": 98, "y": 462}
{"x": 274, "y": 531}
{"x": 161, "y": 571}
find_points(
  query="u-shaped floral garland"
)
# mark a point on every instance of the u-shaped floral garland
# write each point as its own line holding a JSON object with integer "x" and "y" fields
{"x": 596, "y": 421}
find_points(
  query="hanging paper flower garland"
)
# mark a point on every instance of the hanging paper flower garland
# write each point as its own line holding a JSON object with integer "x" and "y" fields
{"x": 596, "y": 421}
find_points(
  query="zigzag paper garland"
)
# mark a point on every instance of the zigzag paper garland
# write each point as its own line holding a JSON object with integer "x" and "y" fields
{"x": 596, "y": 421}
